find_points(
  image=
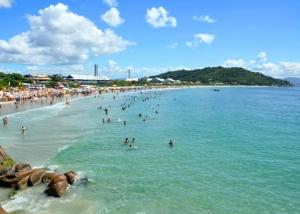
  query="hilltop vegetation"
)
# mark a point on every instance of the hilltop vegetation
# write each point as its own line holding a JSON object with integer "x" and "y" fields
{"x": 12, "y": 80}
{"x": 226, "y": 76}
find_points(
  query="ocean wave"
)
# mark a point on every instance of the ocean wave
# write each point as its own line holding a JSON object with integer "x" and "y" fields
{"x": 63, "y": 148}
{"x": 53, "y": 167}
{"x": 56, "y": 106}
{"x": 28, "y": 201}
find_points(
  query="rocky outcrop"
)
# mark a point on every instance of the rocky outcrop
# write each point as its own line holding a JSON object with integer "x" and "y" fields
{"x": 5, "y": 160}
{"x": 72, "y": 177}
{"x": 21, "y": 175}
{"x": 2, "y": 211}
{"x": 58, "y": 186}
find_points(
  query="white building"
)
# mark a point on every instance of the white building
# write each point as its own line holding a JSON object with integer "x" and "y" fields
{"x": 155, "y": 80}
{"x": 88, "y": 79}
{"x": 132, "y": 80}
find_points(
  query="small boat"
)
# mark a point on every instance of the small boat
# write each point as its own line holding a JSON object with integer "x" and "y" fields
{"x": 216, "y": 89}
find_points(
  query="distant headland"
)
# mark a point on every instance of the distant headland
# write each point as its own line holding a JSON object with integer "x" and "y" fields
{"x": 223, "y": 76}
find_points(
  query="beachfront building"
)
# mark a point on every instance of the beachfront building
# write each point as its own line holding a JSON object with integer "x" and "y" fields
{"x": 87, "y": 79}
{"x": 38, "y": 78}
{"x": 161, "y": 81}
{"x": 155, "y": 80}
{"x": 132, "y": 80}
{"x": 169, "y": 81}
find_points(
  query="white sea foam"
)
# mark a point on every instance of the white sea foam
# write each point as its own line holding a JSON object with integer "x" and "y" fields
{"x": 53, "y": 167}
{"x": 63, "y": 148}
{"x": 28, "y": 200}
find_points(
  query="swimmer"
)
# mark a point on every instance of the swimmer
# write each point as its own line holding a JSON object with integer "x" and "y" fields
{"x": 171, "y": 143}
{"x": 103, "y": 121}
{"x": 124, "y": 122}
{"x": 133, "y": 139}
{"x": 140, "y": 115}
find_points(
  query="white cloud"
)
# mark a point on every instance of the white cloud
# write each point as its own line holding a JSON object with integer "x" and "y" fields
{"x": 192, "y": 44}
{"x": 205, "y": 18}
{"x": 6, "y": 3}
{"x": 159, "y": 17}
{"x": 174, "y": 45}
{"x": 234, "y": 63}
{"x": 262, "y": 65}
{"x": 262, "y": 56}
{"x": 58, "y": 36}
{"x": 200, "y": 38}
{"x": 62, "y": 69}
{"x": 112, "y": 17}
{"x": 204, "y": 38}
{"x": 111, "y": 3}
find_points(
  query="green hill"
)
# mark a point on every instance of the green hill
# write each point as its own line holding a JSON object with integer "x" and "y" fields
{"x": 226, "y": 76}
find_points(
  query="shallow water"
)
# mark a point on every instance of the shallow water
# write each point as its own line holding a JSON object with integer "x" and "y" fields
{"x": 236, "y": 151}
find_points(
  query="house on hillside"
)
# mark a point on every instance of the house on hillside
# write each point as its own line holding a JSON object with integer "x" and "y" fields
{"x": 87, "y": 79}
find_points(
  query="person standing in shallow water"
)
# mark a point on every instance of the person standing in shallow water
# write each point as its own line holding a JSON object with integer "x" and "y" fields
{"x": 171, "y": 143}
{"x": 126, "y": 140}
{"x": 5, "y": 120}
{"x": 23, "y": 130}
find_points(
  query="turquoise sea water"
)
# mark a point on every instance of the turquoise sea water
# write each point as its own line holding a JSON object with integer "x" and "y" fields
{"x": 235, "y": 151}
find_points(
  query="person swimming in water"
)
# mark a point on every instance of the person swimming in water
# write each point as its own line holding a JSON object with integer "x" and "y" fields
{"x": 171, "y": 143}
{"x": 106, "y": 111}
{"x": 133, "y": 139}
{"x": 124, "y": 122}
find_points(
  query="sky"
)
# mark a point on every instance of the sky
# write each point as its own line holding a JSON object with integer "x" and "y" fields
{"x": 149, "y": 36}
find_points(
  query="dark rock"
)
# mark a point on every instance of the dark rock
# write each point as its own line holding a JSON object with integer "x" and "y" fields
{"x": 2, "y": 211}
{"x": 23, "y": 183}
{"x": 36, "y": 177}
{"x": 21, "y": 167}
{"x": 47, "y": 178}
{"x": 58, "y": 186}
{"x": 71, "y": 177}
{"x": 3, "y": 170}
{"x": 5, "y": 159}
